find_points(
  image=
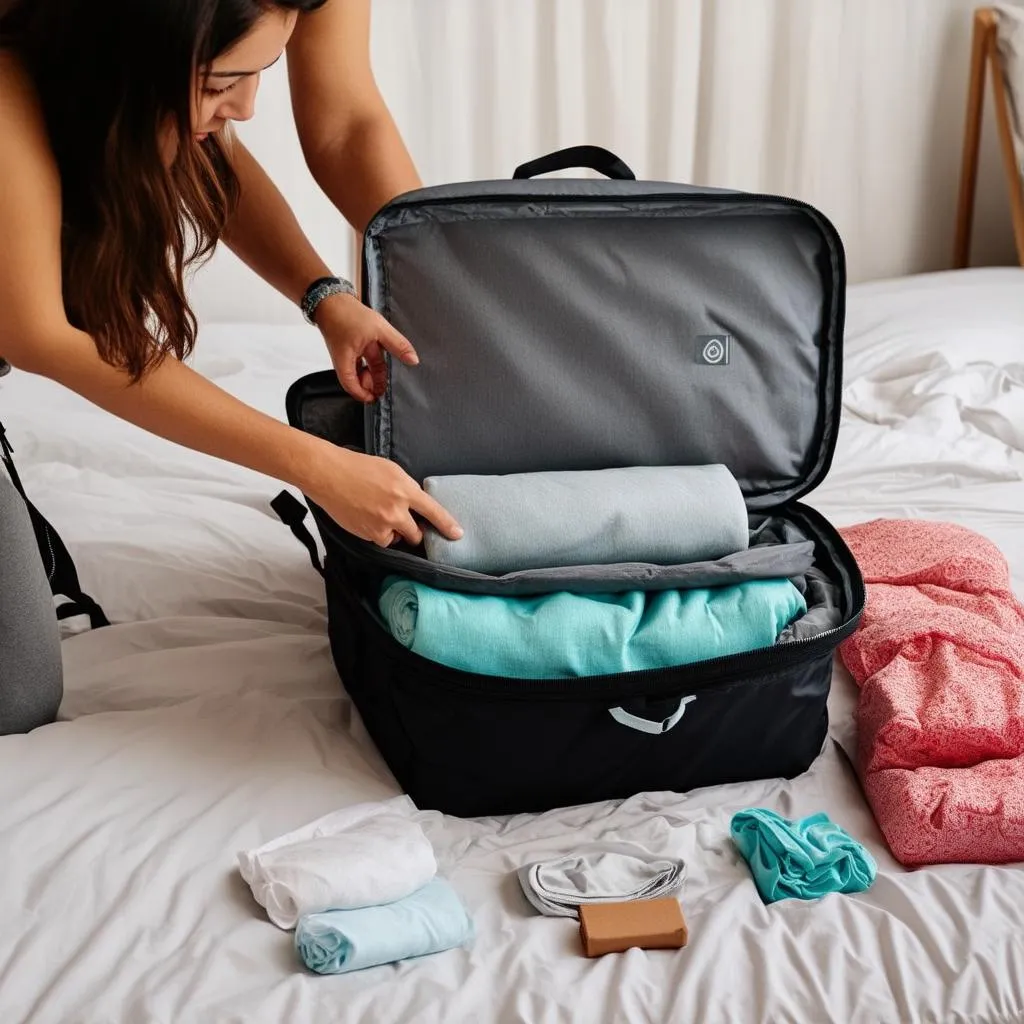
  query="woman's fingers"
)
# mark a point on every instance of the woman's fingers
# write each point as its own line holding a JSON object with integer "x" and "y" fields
{"x": 441, "y": 518}
{"x": 377, "y": 369}
{"x": 397, "y": 344}
{"x": 367, "y": 382}
{"x": 349, "y": 376}
{"x": 409, "y": 529}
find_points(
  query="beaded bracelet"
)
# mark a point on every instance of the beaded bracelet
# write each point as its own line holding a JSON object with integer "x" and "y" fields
{"x": 319, "y": 290}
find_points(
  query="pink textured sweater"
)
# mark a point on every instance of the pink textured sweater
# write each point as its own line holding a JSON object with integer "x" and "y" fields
{"x": 939, "y": 658}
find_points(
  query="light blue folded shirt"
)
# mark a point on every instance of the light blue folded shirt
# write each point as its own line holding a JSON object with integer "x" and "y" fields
{"x": 430, "y": 920}
{"x": 804, "y": 859}
{"x": 562, "y": 635}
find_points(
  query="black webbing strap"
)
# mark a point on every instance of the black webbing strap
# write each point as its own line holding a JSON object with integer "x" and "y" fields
{"x": 293, "y": 513}
{"x": 57, "y": 561}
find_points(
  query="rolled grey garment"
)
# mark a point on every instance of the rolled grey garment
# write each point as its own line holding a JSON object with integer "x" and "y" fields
{"x": 605, "y": 872}
{"x": 663, "y": 515}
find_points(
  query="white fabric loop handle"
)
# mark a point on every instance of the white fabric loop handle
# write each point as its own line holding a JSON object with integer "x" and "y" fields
{"x": 623, "y": 717}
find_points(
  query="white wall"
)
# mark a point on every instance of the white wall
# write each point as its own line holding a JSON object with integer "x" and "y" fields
{"x": 856, "y": 106}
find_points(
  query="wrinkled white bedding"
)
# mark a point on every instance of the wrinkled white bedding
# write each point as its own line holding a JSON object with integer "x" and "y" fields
{"x": 211, "y": 720}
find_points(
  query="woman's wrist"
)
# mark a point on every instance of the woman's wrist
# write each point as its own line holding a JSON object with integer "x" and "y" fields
{"x": 304, "y": 462}
{"x": 310, "y": 458}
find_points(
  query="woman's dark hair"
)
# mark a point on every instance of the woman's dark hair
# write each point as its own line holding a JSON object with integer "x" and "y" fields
{"x": 109, "y": 74}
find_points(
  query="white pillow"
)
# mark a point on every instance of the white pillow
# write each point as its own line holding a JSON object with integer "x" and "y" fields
{"x": 947, "y": 318}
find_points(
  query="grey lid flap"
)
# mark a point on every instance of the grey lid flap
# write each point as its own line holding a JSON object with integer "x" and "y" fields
{"x": 579, "y": 324}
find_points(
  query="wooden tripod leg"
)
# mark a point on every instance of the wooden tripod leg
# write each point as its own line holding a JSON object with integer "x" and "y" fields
{"x": 982, "y": 42}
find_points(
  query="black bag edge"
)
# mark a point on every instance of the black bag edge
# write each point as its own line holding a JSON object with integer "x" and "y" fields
{"x": 61, "y": 572}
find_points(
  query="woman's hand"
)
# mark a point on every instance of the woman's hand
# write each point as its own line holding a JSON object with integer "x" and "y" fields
{"x": 354, "y": 333}
{"x": 374, "y": 498}
{"x": 369, "y": 497}
{"x": 265, "y": 235}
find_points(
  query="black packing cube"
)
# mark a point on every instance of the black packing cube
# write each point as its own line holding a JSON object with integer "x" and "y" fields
{"x": 581, "y": 324}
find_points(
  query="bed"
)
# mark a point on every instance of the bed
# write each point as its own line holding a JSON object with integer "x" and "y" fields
{"x": 210, "y": 719}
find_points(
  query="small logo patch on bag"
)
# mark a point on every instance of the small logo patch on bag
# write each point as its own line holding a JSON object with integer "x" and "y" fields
{"x": 713, "y": 349}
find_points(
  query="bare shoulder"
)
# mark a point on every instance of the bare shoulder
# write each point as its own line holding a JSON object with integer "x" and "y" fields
{"x": 26, "y": 148}
{"x": 17, "y": 94}
{"x": 334, "y": 33}
{"x": 333, "y": 13}
{"x": 30, "y": 214}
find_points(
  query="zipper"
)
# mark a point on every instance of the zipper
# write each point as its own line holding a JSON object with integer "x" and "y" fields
{"x": 833, "y": 371}
{"x": 52, "y": 570}
{"x": 693, "y": 677}
{"x": 662, "y": 197}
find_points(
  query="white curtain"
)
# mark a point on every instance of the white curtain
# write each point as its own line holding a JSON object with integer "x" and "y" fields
{"x": 856, "y": 106}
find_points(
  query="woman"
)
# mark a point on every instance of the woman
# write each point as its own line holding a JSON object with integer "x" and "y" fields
{"x": 117, "y": 172}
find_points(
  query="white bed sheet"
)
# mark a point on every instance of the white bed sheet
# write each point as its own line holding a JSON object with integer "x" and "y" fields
{"x": 212, "y": 720}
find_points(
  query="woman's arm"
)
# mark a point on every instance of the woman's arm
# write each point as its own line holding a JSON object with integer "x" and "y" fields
{"x": 348, "y": 136}
{"x": 264, "y": 233}
{"x": 372, "y": 498}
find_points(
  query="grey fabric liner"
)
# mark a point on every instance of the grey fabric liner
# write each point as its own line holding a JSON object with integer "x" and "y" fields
{"x": 779, "y": 549}
{"x": 497, "y": 286}
{"x": 772, "y": 561}
{"x": 824, "y": 611}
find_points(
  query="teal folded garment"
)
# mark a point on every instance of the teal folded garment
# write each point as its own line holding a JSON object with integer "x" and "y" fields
{"x": 561, "y": 635}
{"x": 802, "y": 860}
{"x": 430, "y": 920}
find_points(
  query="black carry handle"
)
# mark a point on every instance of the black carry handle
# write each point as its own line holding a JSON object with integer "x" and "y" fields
{"x": 594, "y": 157}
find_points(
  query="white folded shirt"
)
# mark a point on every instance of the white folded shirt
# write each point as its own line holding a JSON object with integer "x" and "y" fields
{"x": 361, "y": 856}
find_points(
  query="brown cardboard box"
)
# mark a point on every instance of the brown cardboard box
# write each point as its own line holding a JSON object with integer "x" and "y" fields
{"x": 647, "y": 924}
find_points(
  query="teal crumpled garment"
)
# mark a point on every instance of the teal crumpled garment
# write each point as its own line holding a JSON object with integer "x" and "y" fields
{"x": 804, "y": 859}
{"x": 430, "y": 920}
{"x": 562, "y": 635}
